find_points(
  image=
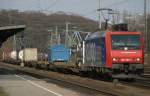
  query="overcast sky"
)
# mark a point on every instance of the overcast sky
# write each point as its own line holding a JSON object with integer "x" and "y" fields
{"x": 85, "y": 8}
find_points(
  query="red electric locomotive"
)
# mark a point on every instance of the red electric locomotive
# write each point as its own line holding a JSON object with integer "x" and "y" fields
{"x": 124, "y": 52}
{"x": 116, "y": 53}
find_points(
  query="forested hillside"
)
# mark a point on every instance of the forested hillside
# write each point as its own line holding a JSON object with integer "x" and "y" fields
{"x": 38, "y": 24}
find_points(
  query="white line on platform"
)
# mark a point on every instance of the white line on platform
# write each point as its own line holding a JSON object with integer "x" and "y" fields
{"x": 37, "y": 85}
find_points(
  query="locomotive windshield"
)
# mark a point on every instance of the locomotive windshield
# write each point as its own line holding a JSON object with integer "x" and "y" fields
{"x": 125, "y": 42}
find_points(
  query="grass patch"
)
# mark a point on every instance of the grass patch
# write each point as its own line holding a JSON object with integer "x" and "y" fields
{"x": 2, "y": 92}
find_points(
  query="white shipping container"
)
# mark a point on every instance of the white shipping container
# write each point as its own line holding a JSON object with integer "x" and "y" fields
{"x": 30, "y": 54}
{"x": 13, "y": 55}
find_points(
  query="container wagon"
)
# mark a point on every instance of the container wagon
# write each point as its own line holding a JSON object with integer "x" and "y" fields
{"x": 28, "y": 56}
{"x": 58, "y": 53}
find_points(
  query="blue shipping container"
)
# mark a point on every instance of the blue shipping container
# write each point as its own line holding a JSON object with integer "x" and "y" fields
{"x": 58, "y": 53}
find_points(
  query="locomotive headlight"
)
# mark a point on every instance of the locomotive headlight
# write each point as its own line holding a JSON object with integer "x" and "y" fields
{"x": 114, "y": 59}
{"x": 137, "y": 59}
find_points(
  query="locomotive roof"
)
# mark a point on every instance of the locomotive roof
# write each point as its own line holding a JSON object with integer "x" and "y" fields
{"x": 96, "y": 35}
{"x": 124, "y": 32}
{"x": 102, "y": 34}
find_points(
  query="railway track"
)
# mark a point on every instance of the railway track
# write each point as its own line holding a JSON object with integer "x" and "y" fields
{"x": 102, "y": 92}
{"x": 146, "y": 76}
{"x": 101, "y": 88}
{"x": 142, "y": 82}
{"x": 147, "y": 70}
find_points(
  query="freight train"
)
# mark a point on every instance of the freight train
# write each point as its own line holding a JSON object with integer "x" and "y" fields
{"x": 30, "y": 56}
{"x": 118, "y": 54}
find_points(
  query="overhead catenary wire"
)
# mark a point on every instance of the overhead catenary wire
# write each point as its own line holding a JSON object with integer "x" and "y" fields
{"x": 108, "y": 6}
{"x": 117, "y": 3}
{"x": 51, "y": 5}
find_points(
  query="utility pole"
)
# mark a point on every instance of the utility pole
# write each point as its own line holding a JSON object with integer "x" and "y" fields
{"x": 14, "y": 37}
{"x": 59, "y": 39}
{"x": 99, "y": 14}
{"x": 118, "y": 17}
{"x": 145, "y": 31}
{"x": 14, "y": 43}
{"x": 22, "y": 48}
{"x": 56, "y": 34}
{"x": 67, "y": 34}
{"x": 104, "y": 9}
{"x": 145, "y": 28}
{"x": 114, "y": 15}
{"x": 39, "y": 5}
{"x": 51, "y": 41}
{"x": 9, "y": 18}
{"x": 50, "y": 37}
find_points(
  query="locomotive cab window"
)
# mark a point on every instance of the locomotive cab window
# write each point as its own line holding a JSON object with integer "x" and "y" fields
{"x": 125, "y": 42}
